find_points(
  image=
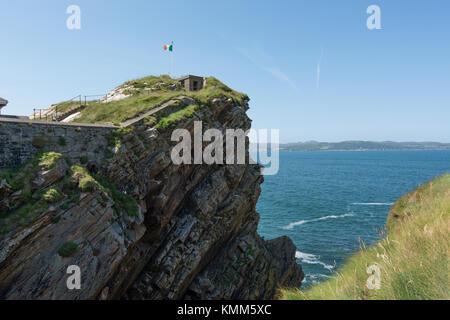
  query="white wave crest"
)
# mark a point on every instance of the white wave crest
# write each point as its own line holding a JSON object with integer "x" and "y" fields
{"x": 291, "y": 225}
{"x": 311, "y": 259}
{"x": 314, "y": 278}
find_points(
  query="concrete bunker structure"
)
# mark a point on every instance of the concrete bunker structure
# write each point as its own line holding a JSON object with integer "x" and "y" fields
{"x": 192, "y": 83}
{"x": 3, "y": 103}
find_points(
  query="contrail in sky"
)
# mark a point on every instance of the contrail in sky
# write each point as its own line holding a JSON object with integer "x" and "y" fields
{"x": 264, "y": 61}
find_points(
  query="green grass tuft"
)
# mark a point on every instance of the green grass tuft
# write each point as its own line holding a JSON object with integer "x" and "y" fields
{"x": 68, "y": 249}
{"x": 116, "y": 136}
{"x": 177, "y": 116}
{"x": 52, "y": 195}
{"x": 122, "y": 200}
{"x": 48, "y": 160}
{"x": 86, "y": 183}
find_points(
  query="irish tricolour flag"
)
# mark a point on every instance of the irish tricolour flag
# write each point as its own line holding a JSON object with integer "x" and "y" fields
{"x": 168, "y": 47}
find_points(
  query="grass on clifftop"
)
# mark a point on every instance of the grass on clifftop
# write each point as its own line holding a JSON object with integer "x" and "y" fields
{"x": 177, "y": 116}
{"x": 142, "y": 100}
{"x": 151, "y": 82}
{"x": 413, "y": 258}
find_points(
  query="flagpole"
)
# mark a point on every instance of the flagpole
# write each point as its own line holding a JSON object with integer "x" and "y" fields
{"x": 171, "y": 61}
{"x": 170, "y": 48}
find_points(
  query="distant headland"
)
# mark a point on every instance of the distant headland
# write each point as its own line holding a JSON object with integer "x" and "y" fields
{"x": 363, "y": 146}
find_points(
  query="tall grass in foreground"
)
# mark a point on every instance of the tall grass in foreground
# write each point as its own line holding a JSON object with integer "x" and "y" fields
{"x": 413, "y": 258}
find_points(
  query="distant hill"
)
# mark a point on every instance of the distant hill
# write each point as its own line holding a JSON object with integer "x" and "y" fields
{"x": 363, "y": 146}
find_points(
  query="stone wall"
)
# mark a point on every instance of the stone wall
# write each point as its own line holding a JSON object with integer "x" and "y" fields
{"x": 20, "y": 140}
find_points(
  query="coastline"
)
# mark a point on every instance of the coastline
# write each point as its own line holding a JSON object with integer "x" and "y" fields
{"x": 361, "y": 150}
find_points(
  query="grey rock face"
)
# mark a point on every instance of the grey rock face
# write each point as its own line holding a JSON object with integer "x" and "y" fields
{"x": 194, "y": 237}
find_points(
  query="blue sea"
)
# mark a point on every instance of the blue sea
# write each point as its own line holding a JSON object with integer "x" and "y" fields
{"x": 329, "y": 203}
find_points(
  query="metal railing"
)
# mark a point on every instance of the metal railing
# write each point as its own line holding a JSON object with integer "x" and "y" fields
{"x": 35, "y": 110}
{"x": 86, "y": 102}
{"x": 58, "y": 116}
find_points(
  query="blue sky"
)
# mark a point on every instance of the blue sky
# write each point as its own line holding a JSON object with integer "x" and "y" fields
{"x": 388, "y": 84}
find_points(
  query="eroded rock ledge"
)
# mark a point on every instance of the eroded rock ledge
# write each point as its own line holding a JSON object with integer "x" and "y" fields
{"x": 194, "y": 236}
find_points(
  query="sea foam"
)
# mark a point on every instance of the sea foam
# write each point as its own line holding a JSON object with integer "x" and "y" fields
{"x": 311, "y": 259}
{"x": 291, "y": 225}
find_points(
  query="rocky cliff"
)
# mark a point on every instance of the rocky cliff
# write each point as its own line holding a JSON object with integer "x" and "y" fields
{"x": 138, "y": 226}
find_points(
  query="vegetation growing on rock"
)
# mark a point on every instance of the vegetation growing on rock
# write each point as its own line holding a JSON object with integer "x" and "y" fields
{"x": 116, "y": 136}
{"x": 18, "y": 177}
{"x": 150, "y": 92}
{"x": 68, "y": 249}
{"x": 52, "y": 195}
{"x": 27, "y": 192}
{"x": 187, "y": 112}
{"x": 48, "y": 160}
{"x": 21, "y": 199}
{"x": 161, "y": 82}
